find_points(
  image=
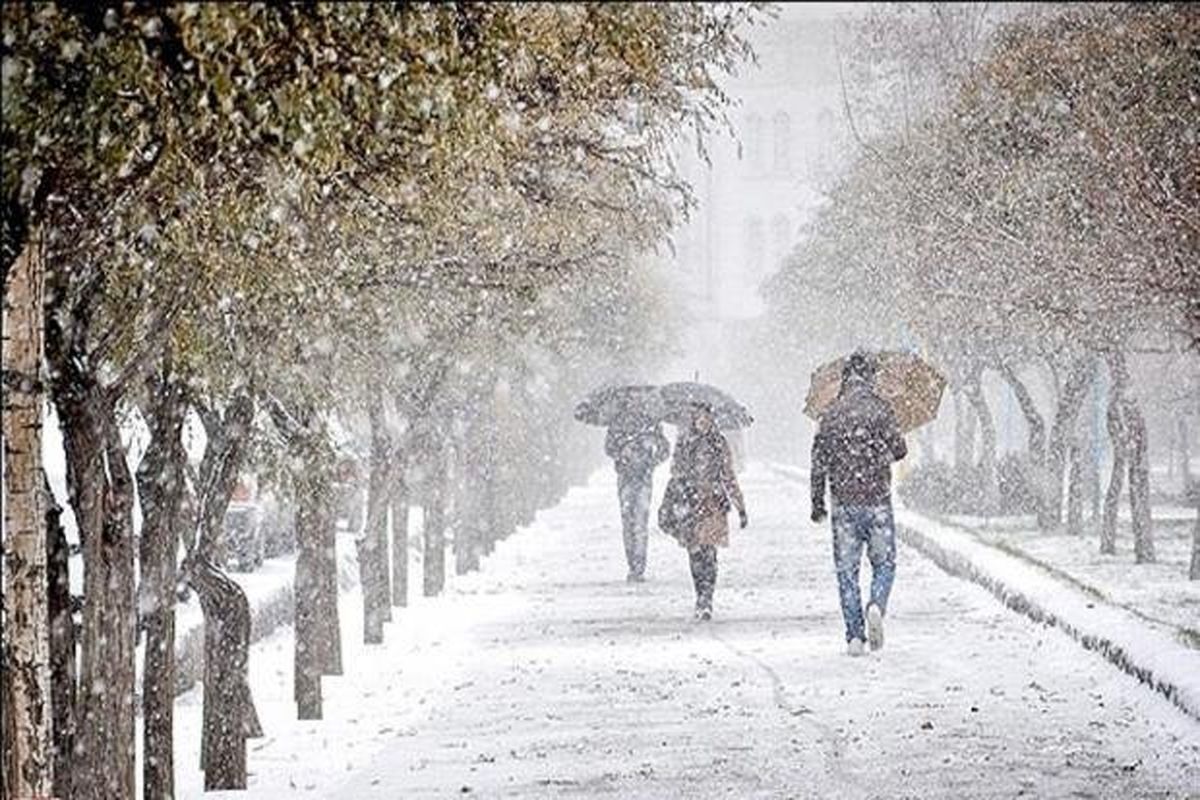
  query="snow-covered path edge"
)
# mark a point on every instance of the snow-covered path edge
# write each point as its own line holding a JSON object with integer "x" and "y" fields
{"x": 1168, "y": 667}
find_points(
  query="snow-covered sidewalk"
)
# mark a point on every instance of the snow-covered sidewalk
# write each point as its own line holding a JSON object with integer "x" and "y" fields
{"x": 545, "y": 675}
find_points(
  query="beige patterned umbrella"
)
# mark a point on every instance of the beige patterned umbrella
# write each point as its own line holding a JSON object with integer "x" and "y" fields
{"x": 913, "y": 388}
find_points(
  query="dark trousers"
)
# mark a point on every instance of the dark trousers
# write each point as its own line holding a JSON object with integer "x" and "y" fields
{"x": 703, "y": 560}
{"x": 633, "y": 490}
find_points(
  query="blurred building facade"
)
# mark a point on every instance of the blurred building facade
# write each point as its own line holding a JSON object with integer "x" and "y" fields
{"x": 755, "y": 194}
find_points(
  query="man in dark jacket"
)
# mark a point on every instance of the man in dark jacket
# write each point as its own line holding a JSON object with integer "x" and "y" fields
{"x": 856, "y": 442}
{"x": 636, "y": 447}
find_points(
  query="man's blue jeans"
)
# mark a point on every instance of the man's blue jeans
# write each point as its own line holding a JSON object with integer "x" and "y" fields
{"x": 854, "y": 527}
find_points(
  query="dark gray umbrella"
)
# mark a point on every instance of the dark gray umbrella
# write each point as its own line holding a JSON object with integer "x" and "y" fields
{"x": 632, "y": 405}
{"x": 681, "y": 398}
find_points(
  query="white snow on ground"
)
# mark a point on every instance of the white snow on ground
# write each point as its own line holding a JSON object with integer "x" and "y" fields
{"x": 545, "y": 675}
{"x": 1160, "y": 592}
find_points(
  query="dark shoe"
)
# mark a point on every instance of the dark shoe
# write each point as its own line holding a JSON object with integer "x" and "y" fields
{"x": 703, "y": 614}
{"x": 635, "y": 577}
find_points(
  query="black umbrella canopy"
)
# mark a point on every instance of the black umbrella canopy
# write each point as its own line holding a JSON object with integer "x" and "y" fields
{"x": 634, "y": 405}
{"x": 681, "y": 397}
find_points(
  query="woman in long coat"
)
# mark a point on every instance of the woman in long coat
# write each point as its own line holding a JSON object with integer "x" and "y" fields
{"x": 698, "y": 503}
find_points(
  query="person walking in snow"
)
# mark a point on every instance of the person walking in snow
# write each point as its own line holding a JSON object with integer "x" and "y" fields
{"x": 703, "y": 488}
{"x": 857, "y": 440}
{"x": 636, "y": 445}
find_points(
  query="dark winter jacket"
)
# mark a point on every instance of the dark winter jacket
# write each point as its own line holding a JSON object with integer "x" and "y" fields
{"x": 637, "y": 450}
{"x": 856, "y": 442}
{"x": 702, "y": 490}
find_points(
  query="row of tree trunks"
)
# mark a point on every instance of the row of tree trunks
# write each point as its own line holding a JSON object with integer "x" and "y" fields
{"x": 1127, "y": 431}
{"x": 228, "y": 712}
{"x": 161, "y": 480}
{"x": 62, "y": 642}
{"x": 28, "y": 739}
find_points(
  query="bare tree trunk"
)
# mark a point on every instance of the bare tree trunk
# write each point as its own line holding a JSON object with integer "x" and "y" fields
{"x": 987, "y": 444}
{"x": 314, "y": 528}
{"x": 399, "y": 503}
{"x": 1132, "y": 427}
{"x": 434, "y": 534}
{"x": 372, "y": 545}
{"x": 964, "y": 432}
{"x": 469, "y": 509}
{"x": 160, "y": 479}
{"x": 100, "y": 492}
{"x": 1139, "y": 487}
{"x": 27, "y": 710}
{"x": 1116, "y": 480}
{"x": 1185, "y": 453}
{"x": 228, "y": 715}
{"x": 1074, "y": 392}
{"x": 1036, "y": 427}
{"x": 62, "y": 642}
{"x": 1075, "y": 488}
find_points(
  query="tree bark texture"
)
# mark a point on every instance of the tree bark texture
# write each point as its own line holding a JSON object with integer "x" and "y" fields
{"x": 964, "y": 432}
{"x": 372, "y": 544}
{"x": 434, "y": 533}
{"x": 27, "y": 703}
{"x": 318, "y": 643}
{"x": 1070, "y": 400}
{"x": 1132, "y": 427}
{"x": 1076, "y": 477}
{"x": 1116, "y": 479}
{"x": 62, "y": 642}
{"x": 228, "y": 716}
{"x": 987, "y": 444}
{"x": 160, "y": 478}
{"x": 103, "y": 763}
{"x": 399, "y": 500}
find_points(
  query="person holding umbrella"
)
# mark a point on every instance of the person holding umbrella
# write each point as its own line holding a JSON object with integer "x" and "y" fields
{"x": 857, "y": 440}
{"x": 703, "y": 487}
{"x": 633, "y": 414}
{"x": 636, "y": 445}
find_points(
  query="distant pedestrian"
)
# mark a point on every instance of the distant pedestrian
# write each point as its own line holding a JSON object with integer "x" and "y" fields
{"x": 636, "y": 445}
{"x": 857, "y": 440}
{"x": 702, "y": 490}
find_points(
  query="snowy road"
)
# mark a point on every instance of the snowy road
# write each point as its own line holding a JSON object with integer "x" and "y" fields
{"x": 556, "y": 679}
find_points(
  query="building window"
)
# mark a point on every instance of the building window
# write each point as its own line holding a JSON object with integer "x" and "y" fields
{"x": 782, "y": 130}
